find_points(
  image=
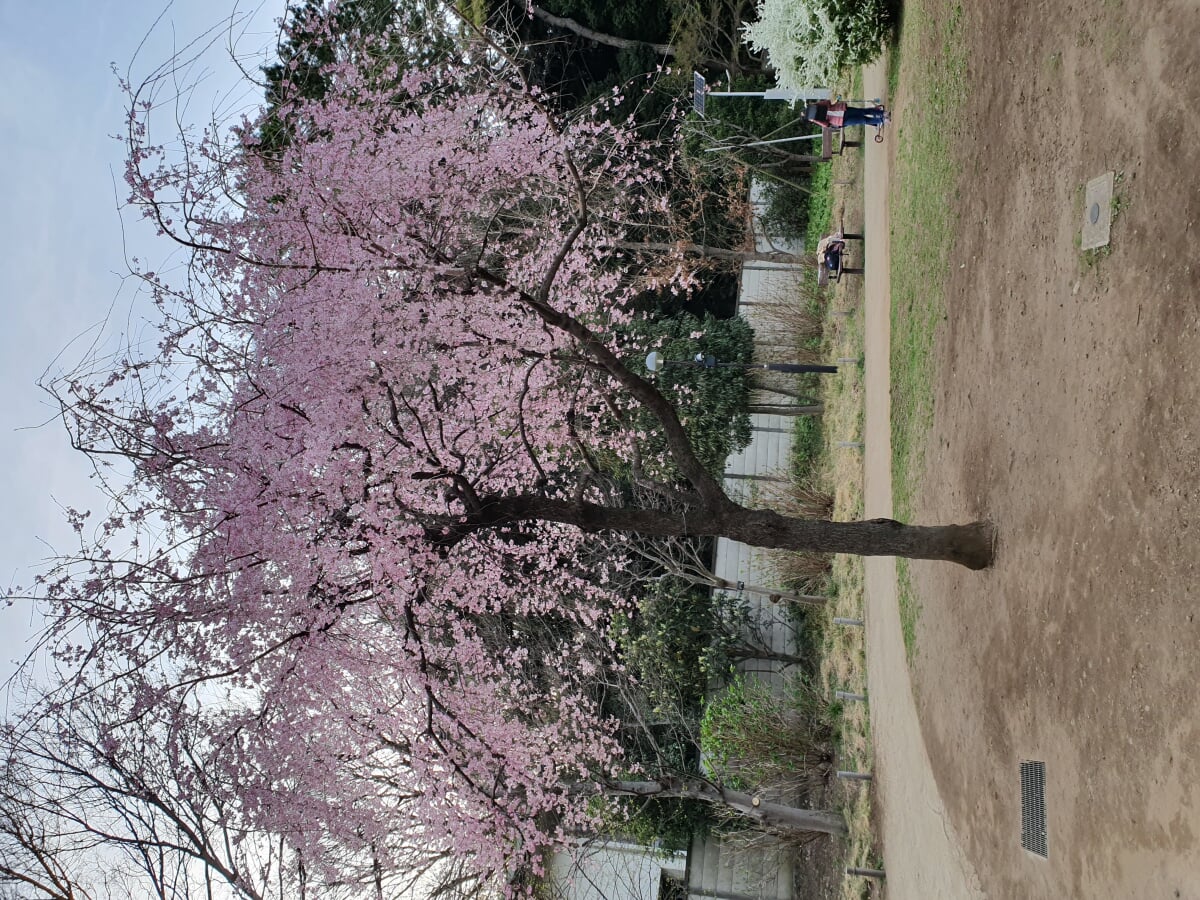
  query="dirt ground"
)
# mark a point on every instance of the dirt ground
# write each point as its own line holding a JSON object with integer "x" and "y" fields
{"x": 1068, "y": 413}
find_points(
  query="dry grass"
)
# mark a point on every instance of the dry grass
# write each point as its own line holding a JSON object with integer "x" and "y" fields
{"x": 803, "y": 572}
{"x": 807, "y": 497}
{"x": 843, "y": 649}
{"x": 828, "y": 325}
{"x": 797, "y": 307}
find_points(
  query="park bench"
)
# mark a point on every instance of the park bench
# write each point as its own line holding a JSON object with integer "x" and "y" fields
{"x": 826, "y": 274}
{"x": 827, "y": 143}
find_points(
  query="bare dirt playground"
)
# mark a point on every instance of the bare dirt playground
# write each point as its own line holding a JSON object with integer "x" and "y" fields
{"x": 1068, "y": 412}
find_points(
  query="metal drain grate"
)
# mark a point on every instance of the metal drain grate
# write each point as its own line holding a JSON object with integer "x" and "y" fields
{"x": 1033, "y": 807}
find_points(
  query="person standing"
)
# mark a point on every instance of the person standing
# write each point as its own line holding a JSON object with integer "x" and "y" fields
{"x": 839, "y": 114}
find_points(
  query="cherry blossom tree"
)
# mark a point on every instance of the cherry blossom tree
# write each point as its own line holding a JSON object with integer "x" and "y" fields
{"x": 382, "y": 412}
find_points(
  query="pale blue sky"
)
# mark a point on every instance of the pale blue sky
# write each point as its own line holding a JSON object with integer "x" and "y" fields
{"x": 63, "y": 250}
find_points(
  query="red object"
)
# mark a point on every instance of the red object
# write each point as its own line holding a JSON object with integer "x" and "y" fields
{"x": 826, "y": 113}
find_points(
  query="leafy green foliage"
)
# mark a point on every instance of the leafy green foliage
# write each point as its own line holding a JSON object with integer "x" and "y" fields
{"x": 819, "y": 208}
{"x": 669, "y": 824}
{"x": 665, "y": 645}
{"x": 711, "y": 402}
{"x": 808, "y": 443}
{"x": 410, "y": 33}
{"x": 755, "y": 738}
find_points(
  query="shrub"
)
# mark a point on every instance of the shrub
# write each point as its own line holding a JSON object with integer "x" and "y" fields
{"x": 755, "y": 739}
{"x": 712, "y": 403}
{"x": 808, "y": 41}
{"x": 666, "y": 642}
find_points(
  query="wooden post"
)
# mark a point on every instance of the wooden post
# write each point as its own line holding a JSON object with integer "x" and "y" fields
{"x": 866, "y": 873}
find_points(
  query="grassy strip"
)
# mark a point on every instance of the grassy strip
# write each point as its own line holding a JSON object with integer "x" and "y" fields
{"x": 925, "y": 183}
{"x": 843, "y": 649}
{"x": 820, "y": 205}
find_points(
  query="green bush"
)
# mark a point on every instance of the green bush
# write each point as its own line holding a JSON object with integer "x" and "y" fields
{"x": 820, "y": 206}
{"x": 754, "y": 739}
{"x": 711, "y": 403}
{"x": 669, "y": 824}
{"x": 665, "y": 645}
{"x": 808, "y": 443}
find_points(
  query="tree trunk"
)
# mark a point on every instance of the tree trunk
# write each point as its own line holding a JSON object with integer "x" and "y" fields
{"x": 968, "y": 545}
{"x": 785, "y": 409}
{"x": 762, "y": 812}
{"x": 725, "y": 584}
{"x": 707, "y": 252}
{"x": 749, "y": 654}
{"x": 611, "y": 40}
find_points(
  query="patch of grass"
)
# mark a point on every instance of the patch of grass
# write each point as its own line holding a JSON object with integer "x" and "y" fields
{"x": 894, "y": 56}
{"x": 820, "y": 205}
{"x": 1119, "y": 202}
{"x": 926, "y": 181}
{"x": 842, "y": 650}
{"x": 910, "y": 608}
{"x": 1092, "y": 258}
{"x": 808, "y": 443}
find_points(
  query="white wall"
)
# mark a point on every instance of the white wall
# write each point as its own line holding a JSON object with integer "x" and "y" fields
{"x": 612, "y": 870}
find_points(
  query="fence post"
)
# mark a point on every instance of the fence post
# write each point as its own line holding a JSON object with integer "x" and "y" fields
{"x": 866, "y": 873}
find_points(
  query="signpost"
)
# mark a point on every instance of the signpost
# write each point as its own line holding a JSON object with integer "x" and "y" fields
{"x": 700, "y": 93}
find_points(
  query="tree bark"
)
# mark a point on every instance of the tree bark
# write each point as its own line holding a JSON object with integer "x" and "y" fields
{"x": 763, "y": 812}
{"x": 747, "y": 654}
{"x": 724, "y": 584}
{"x": 610, "y": 40}
{"x": 968, "y": 545}
{"x": 785, "y": 409}
{"x": 708, "y": 252}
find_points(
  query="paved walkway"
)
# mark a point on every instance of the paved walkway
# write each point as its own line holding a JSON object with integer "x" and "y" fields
{"x": 922, "y": 853}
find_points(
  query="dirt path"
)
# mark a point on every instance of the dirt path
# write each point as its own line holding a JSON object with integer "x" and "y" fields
{"x": 921, "y": 851}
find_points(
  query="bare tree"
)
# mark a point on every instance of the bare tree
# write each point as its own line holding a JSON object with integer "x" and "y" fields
{"x": 100, "y": 801}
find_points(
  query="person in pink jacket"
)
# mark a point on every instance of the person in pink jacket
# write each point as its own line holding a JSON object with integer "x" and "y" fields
{"x": 839, "y": 114}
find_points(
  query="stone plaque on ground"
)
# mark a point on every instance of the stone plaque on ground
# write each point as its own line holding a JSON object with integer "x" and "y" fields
{"x": 1097, "y": 212}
